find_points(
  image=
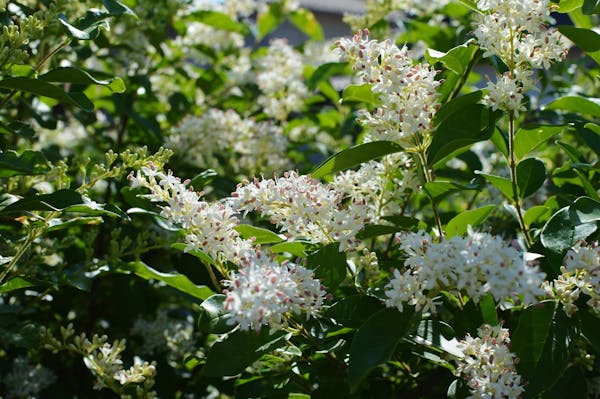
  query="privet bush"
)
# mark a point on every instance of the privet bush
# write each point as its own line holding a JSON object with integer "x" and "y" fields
{"x": 193, "y": 207}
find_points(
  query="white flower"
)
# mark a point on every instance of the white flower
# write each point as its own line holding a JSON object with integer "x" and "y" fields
{"x": 263, "y": 291}
{"x": 27, "y": 380}
{"x": 303, "y": 208}
{"x": 476, "y": 265}
{"x": 489, "y": 366}
{"x": 505, "y": 94}
{"x": 407, "y": 91}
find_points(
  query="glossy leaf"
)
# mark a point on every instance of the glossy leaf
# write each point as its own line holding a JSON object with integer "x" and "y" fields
{"x": 571, "y": 224}
{"x": 577, "y": 104}
{"x": 203, "y": 256}
{"x": 45, "y": 89}
{"x": 375, "y": 342}
{"x": 326, "y": 71}
{"x": 296, "y": 248}
{"x": 115, "y": 8}
{"x": 535, "y": 214}
{"x": 329, "y": 265}
{"x": 79, "y": 76}
{"x": 359, "y": 93}
{"x": 456, "y": 59}
{"x": 55, "y": 201}
{"x": 439, "y": 189}
{"x": 174, "y": 280}
{"x": 239, "y": 350}
{"x": 27, "y": 163}
{"x": 501, "y": 183}
{"x": 220, "y": 21}
{"x": 307, "y": 23}
{"x": 354, "y": 156}
{"x": 353, "y": 311}
{"x": 89, "y": 31}
{"x": 257, "y": 234}
{"x": 376, "y": 230}
{"x": 267, "y": 21}
{"x": 213, "y": 317}
{"x": 529, "y": 138}
{"x": 458, "y": 225}
{"x": 531, "y": 174}
{"x": 15, "y": 283}
{"x": 585, "y": 39}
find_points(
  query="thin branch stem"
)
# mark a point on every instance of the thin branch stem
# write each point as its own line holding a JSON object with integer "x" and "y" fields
{"x": 512, "y": 163}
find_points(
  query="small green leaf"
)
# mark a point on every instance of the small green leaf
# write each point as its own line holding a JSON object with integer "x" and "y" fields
{"x": 529, "y": 138}
{"x": 591, "y": 7}
{"x": 585, "y": 39}
{"x": 213, "y": 317}
{"x": 15, "y": 284}
{"x": 177, "y": 281}
{"x": 325, "y": 71}
{"x": 376, "y": 340}
{"x": 115, "y": 8}
{"x": 353, "y": 311}
{"x": 577, "y": 104}
{"x": 566, "y": 6}
{"x": 354, "y": 156}
{"x": 531, "y": 174}
{"x": 329, "y": 265}
{"x": 501, "y": 183}
{"x": 440, "y": 189}
{"x": 203, "y": 179}
{"x": 571, "y": 224}
{"x": 536, "y": 214}
{"x": 306, "y": 22}
{"x": 55, "y": 201}
{"x": 260, "y": 235}
{"x": 28, "y": 163}
{"x": 267, "y": 21}
{"x": 458, "y": 225}
{"x": 45, "y": 89}
{"x": 488, "y": 310}
{"x": 359, "y": 94}
{"x": 203, "y": 256}
{"x": 296, "y": 248}
{"x": 529, "y": 338}
{"x": 239, "y": 350}
{"x": 86, "y": 31}
{"x": 376, "y": 230}
{"x": 79, "y": 76}
{"x": 456, "y": 59}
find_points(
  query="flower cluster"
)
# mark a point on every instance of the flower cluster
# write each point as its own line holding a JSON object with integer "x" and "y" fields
{"x": 475, "y": 265}
{"x": 580, "y": 275}
{"x": 209, "y": 226}
{"x": 27, "y": 380}
{"x": 489, "y": 366}
{"x": 261, "y": 291}
{"x": 252, "y": 145}
{"x": 280, "y": 80}
{"x": 264, "y": 291}
{"x": 407, "y": 91}
{"x": 379, "y": 184}
{"x": 304, "y": 208}
{"x": 517, "y": 32}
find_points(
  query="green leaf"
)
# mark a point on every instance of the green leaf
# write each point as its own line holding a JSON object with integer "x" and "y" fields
{"x": 590, "y": 328}
{"x": 585, "y": 39}
{"x": 587, "y": 185}
{"x": 501, "y": 183}
{"x": 529, "y": 338}
{"x": 531, "y": 174}
{"x": 79, "y": 76}
{"x": 488, "y": 310}
{"x": 115, "y": 8}
{"x": 457, "y": 59}
{"x": 329, "y": 265}
{"x": 591, "y": 7}
{"x": 85, "y": 31}
{"x": 28, "y": 163}
{"x": 15, "y": 284}
{"x": 55, "y": 201}
{"x": 500, "y": 142}
{"x": 306, "y": 22}
{"x": 359, "y": 94}
{"x": 325, "y": 71}
{"x": 530, "y": 137}
{"x": 220, "y": 21}
{"x": 260, "y": 235}
{"x": 45, "y": 89}
{"x": 267, "y": 21}
{"x": 353, "y": 311}
{"x": 296, "y": 248}
{"x": 577, "y": 104}
{"x": 458, "y": 225}
{"x": 439, "y": 189}
{"x": 203, "y": 179}
{"x": 239, "y": 350}
{"x": 213, "y": 317}
{"x": 571, "y": 224}
{"x": 535, "y": 214}
{"x": 469, "y": 124}
{"x": 376, "y": 230}
{"x": 376, "y": 340}
{"x": 566, "y": 6}
{"x": 354, "y": 156}
{"x": 177, "y": 281}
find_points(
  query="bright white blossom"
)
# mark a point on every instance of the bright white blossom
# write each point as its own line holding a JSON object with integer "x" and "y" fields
{"x": 264, "y": 291}
{"x": 209, "y": 226}
{"x": 280, "y": 80}
{"x": 517, "y": 32}
{"x": 580, "y": 275}
{"x": 489, "y": 366}
{"x": 475, "y": 265}
{"x": 407, "y": 91}
{"x": 304, "y": 208}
